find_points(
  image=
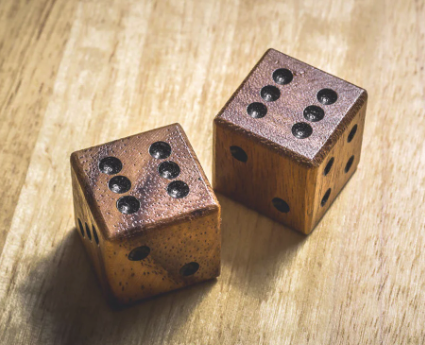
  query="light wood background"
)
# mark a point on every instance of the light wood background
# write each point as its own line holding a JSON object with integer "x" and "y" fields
{"x": 78, "y": 73}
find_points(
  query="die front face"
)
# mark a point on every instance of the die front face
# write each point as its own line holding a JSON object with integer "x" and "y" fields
{"x": 275, "y": 136}
{"x": 155, "y": 216}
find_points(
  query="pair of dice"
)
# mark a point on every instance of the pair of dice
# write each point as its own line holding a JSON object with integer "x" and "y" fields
{"x": 285, "y": 144}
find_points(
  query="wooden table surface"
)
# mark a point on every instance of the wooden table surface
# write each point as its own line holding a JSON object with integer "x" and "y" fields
{"x": 79, "y": 73}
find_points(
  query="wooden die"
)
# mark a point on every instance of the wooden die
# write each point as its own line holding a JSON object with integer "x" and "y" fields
{"x": 288, "y": 140}
{"x": 146, "y": 214}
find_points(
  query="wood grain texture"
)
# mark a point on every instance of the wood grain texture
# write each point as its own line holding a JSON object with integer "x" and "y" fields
{"x": 259, "y": 162}
{"x": 108, "y": 69}
{"x": 177, "y": 232}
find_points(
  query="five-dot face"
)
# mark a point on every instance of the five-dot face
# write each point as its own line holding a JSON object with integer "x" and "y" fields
{"x": 291, "y": 104}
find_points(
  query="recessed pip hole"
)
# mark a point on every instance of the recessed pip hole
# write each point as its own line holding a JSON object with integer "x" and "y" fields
{"x": 313, "y": 113}
{"x": 88, "y": 231}
{"x": 256, "y": 110}
{"x": 169, "y": 170}
{"x": 96, "y": 238}
{"x": 302, "y": 130}
{"x": 270, "y": 93}
{"x": 81, "y": 227}
{"x": 282, "y": 76}
{"x": 139, "y": 253}
{"x": 327, "y": 96}
{"x": 189, "y": 269}
{"x": 119, "y": 184}
{"x": 110, "y": 165}
{"x": 328, "y": 166}
{"x": 281, "y": 205}
{"x": 326, "y": 197}
{"x": 352, "y": 133}
{"x": 128, "y": 204}
{"x": 238, "y": 153}
{"x": 160, "y": 150}
{"x": 349, "y": 164}
{"x": 178, "y": 189}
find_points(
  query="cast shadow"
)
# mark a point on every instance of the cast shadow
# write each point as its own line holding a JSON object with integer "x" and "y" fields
{"x": 255, "y": 249}
{"x": 68, "y": 305}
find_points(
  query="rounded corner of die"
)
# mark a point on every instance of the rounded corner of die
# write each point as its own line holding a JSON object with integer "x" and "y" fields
{"x": 177, "y": 125}
{"x": 364, "y": 95}
{"x": 73, "y": 157}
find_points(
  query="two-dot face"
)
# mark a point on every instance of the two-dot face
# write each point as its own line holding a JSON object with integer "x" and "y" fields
{"x": 291, "y": 104}
{"x": 142, "y": 252}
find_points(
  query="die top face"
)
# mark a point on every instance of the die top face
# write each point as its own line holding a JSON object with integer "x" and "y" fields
{"x": 143, "y": 181}
{"x": 293, "y": 107}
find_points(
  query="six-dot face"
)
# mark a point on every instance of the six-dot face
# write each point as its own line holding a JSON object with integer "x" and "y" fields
{"x": 291, "y": 104}
{"x": 145, "y": 178}
{"x": 158, "y": 166}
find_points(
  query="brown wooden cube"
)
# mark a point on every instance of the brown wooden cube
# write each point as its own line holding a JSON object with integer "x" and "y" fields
{"x": 146, "y": 214}
{"x": 288, "y": 140}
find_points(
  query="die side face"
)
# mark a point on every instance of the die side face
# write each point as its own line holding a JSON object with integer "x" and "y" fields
{"x": 135, "y": 190}
{"x": 88, "y": 230}
{"x": 337, "y": 168}
{"x": 262, "y": 180}
{"x": 166, "y": 259}
{"x": 272, "y": 147}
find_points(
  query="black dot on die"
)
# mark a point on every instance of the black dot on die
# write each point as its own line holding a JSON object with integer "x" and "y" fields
{"x": 81, "y": 228}
{"x": 328, "y": 166}
{"x": 189, "y": 269}
{"x": 270, "y": 93}
{"x": 349, "y": 164}
{"x": 282, "y": 76}
{"x": 169, "y": 170}
{"x": 238, "y": 153}
{"x": 281, "y": 205}
{"x": 88, "y": 231}
{"x": 119, "y": 184}
{"x": 128, "y": 204}
{"x": 256, "y": 110}
{"x": 96, "y": 238}
{"x": 327, "y": 96}
{"x": 352, "y": 133}
{"x": 178, "y": 189}
{"x": 325, "y": 197}
{"x": 302, "y": 130}
{"x": 110, "y": 165}
{"x": 160, "y": 150}
{"x": 313, "y": 113}
{"x": 139, "y": 253}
